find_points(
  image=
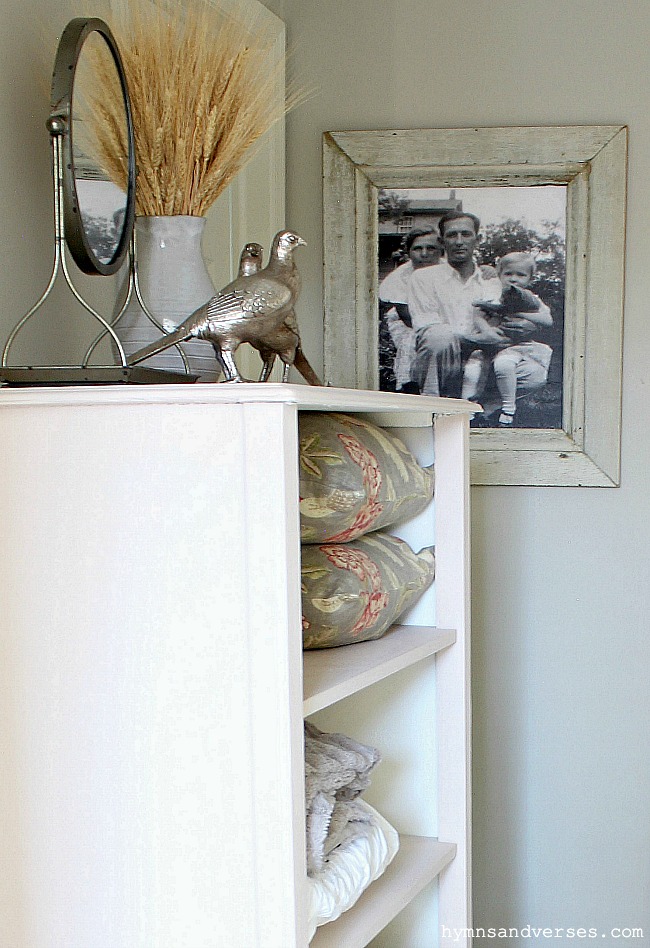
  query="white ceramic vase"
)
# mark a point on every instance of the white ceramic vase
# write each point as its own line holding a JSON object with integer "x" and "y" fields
{"x": 174, "y": 281}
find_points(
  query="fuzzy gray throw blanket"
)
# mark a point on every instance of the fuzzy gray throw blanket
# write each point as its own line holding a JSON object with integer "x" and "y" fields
{"x": 337, "y": 769}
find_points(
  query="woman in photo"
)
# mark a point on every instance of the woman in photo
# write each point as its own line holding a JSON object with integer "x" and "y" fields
{"x": 424, "y": 248}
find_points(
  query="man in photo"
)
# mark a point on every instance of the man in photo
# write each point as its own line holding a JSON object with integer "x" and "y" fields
{"x": 441, "y": 303}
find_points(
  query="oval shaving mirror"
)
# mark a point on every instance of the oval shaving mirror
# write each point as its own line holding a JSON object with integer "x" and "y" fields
{"x": 93, "y": 162}
{"x": 97, "y": 149}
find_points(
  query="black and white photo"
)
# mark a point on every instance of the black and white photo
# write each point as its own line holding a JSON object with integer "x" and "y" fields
{"x": 485, "y": 322}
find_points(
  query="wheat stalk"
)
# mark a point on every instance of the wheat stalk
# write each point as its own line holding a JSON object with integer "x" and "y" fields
{"x": 204, "y": 87}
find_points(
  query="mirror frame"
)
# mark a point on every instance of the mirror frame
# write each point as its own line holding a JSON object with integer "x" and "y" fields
{"x": 65, "y": 65}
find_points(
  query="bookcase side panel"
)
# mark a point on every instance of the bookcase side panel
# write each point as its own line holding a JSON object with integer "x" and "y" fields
{"x": 272, "y": 543}
{"x": 453, "y": 666}
{"x": 135, "y": 674}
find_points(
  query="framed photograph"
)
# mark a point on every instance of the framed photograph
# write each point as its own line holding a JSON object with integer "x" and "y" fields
{"x": 486, "y": 264}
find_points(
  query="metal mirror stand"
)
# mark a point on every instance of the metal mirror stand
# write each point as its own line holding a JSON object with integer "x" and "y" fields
{"x": 57, "y": 127}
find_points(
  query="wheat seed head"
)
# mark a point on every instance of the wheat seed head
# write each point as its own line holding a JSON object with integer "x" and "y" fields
{"x": 204, "y": 86}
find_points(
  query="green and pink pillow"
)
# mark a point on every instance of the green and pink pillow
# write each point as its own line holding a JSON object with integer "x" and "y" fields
{"x": 355, "y": 478}
{"x": 352, "y": 592}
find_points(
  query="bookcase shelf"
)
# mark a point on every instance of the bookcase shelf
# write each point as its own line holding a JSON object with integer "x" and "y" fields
{"x": 333, "y": 674}
{"x": 418, "y": 862}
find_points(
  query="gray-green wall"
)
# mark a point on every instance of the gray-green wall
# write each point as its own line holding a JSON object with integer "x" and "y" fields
{"x": 561, "y": 644}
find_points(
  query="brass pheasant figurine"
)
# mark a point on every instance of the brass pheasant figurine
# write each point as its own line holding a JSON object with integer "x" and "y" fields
{"x": 250, "y": 260}
{"x": 257, "y": 307}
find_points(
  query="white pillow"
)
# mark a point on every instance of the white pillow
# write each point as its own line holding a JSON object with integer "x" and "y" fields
{"x": 350, "y": 869}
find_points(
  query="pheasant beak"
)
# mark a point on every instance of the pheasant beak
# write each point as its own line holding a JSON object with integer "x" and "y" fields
{"x": 301, "y": 242}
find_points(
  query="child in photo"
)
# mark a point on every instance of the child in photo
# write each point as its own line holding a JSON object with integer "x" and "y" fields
{"x": 504, "y": 338}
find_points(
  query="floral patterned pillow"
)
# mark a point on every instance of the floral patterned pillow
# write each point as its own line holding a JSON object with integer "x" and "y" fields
{"x": 354, "y": 591}
{"x": 354, "y": 478}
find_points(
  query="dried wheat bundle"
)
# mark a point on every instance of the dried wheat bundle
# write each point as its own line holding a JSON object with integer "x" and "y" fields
{"x": 204, "y": 88}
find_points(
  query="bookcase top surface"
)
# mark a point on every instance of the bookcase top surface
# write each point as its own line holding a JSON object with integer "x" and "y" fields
{"x": 304, "y": 397}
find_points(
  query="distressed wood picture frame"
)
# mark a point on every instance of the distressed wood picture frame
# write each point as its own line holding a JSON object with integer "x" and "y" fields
{"x": 591, "y": 161}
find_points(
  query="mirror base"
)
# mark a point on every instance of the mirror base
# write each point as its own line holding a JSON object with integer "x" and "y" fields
{"x": 25, "y": 375}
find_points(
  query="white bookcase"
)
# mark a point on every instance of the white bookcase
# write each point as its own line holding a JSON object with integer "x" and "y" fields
{"x": 153, "y": 688}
